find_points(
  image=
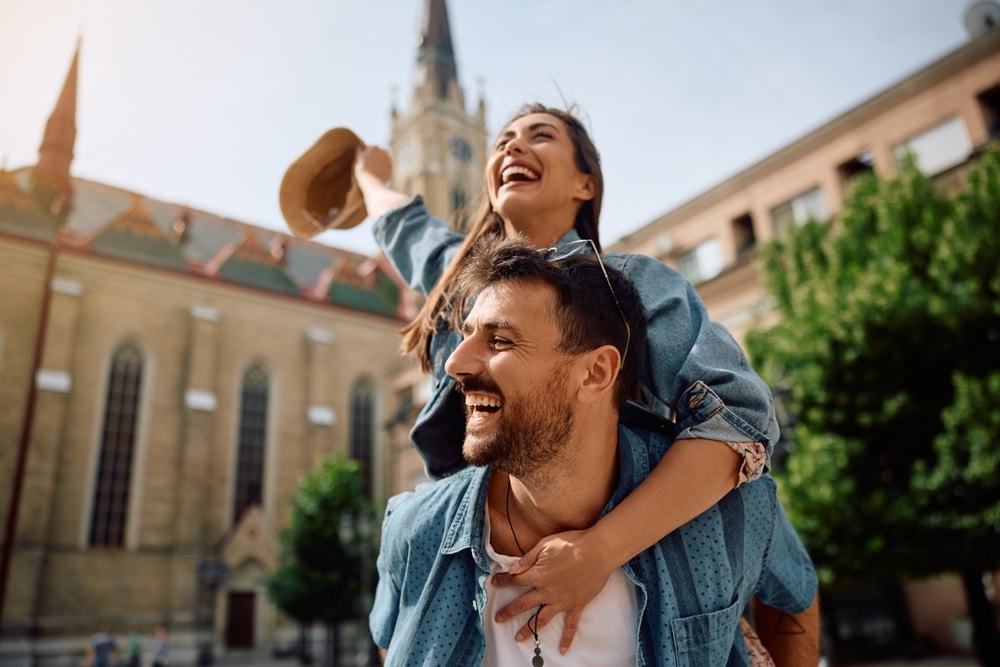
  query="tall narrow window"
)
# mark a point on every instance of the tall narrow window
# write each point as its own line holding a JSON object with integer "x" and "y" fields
{"x": 252, "y": 437}
{"x": 362, "y": 434}
{"x": 989, "y": 104}
{"x": 114, "y": 468}
{"x": 743, "y": 234}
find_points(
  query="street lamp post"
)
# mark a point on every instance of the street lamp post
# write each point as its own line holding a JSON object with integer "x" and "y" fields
{"x": 17, "y": 483}
{"x": 210, "y": 574}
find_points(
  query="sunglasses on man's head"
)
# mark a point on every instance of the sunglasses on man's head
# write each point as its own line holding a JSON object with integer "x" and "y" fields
{"x": 582, "y": 247}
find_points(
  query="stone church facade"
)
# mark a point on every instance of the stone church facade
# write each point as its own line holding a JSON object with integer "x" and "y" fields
{"x": 167, "y": 375}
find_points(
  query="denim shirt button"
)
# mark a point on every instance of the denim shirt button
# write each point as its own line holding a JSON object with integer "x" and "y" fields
{"x": 475, "y": 605}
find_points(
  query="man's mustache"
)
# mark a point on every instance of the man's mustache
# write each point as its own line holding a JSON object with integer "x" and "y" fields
{"x": 478, "y": 383}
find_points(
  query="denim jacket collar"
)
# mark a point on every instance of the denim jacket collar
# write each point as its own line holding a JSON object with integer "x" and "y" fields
{"x": 468, "y": 526}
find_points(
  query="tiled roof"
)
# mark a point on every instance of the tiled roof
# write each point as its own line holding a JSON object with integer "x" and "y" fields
{"x": 382, "y": 297}
{"x": 112, "y": 222}
{"x": 10, "y": 191}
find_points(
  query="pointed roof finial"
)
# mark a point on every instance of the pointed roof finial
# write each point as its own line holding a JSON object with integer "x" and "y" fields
{"x": 56, "y": 151}
{"x": 436, "y": 56}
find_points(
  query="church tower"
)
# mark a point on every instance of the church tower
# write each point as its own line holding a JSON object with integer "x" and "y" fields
{"x": 439, "y": 150}
{"x": 51, "y": 187}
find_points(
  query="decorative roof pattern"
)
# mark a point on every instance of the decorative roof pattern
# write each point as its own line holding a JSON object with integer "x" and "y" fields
{"x": 112, "y": 222}
{"x": 135, "y": 220}
{"x": 382, "y": 297}
{"x": 19, "y": 214}
{"x": 10, "y": 191}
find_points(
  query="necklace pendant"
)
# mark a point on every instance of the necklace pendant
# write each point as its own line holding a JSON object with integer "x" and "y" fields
{"x": 537, "y": 661}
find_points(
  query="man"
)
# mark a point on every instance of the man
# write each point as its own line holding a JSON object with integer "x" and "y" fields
{"x": 102, "y": 647}
{"x": 159, "y": 653}
{"x": 550, "y": 349}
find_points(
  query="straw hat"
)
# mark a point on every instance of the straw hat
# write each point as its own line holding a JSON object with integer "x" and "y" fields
{"x": 318, "y": 192}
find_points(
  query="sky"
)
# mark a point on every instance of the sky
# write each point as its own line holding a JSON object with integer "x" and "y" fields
{"x": 205, "y": 103}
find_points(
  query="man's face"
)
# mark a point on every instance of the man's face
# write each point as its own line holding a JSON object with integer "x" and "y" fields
{"x": 515, "y": 379}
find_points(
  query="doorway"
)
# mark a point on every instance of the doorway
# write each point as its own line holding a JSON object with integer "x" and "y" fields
{"x": 240, "y": 619}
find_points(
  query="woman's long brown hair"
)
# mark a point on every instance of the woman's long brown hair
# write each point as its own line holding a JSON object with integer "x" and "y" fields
{"x": 417, "y": 334}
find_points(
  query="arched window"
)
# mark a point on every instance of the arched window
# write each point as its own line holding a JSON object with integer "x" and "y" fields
{"x": 362, "y": 428}
{"x": 118, "y": 435}
{"x": 252, "y": 436}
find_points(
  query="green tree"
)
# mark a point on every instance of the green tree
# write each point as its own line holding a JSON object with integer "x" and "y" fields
{"x": 888, "y": 354}
{"x": 328, "y": 550}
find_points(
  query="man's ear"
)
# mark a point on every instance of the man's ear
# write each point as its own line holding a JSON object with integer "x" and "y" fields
{"x": 601, "y": 367}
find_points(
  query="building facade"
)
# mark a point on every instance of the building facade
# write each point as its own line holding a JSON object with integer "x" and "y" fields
{"x": 166, "y": 377}
{"x": 944, "y": 114}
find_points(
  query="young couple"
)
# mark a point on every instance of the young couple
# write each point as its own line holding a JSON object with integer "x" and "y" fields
{"x": 672, "y": 529}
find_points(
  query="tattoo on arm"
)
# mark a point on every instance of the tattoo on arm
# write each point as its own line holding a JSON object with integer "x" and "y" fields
{"x": 788, "y": 625}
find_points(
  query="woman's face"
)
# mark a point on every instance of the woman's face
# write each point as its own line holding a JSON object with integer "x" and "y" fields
{"x": 533, "y": 180}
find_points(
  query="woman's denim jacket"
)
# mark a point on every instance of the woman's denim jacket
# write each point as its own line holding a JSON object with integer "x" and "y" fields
{"x": 695, "y": 373}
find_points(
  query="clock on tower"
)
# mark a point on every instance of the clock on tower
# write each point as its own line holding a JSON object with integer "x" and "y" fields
{"x": 461, "y": 149}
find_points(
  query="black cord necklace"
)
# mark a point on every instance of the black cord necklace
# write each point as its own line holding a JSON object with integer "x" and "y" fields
{"x": 537, "y": 661}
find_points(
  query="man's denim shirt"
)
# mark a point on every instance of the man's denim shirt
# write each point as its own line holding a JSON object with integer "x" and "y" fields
{"x": 691, "y": 587}
{"x": 695, "y": 370}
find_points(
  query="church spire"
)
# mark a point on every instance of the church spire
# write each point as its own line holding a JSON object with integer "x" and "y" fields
{"x": 50, "y": 176}
{"x": 436, "y": 56}
{"x": 441, "y": 147}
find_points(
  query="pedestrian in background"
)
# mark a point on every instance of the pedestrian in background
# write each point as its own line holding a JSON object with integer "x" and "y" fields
{"x": 102, "y": 648}
{"x": 134, "y": 649}
{"x": 159, "y": 653}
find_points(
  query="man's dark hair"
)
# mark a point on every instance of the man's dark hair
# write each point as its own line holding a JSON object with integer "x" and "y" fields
{"x": 588, "y": 313}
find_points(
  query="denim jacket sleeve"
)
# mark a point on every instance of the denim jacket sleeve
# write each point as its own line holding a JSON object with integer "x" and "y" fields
{"x": 418, "y": 245}
{"x": 788, "y": 580}
{"x": 693, "y": 366}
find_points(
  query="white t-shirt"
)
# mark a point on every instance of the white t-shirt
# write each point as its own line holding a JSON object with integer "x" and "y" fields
{"x": 606, "y": 636}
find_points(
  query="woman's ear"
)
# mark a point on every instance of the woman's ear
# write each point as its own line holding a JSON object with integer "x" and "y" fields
{"x": 601, "y": 367}
{"x": 586, "y": 189}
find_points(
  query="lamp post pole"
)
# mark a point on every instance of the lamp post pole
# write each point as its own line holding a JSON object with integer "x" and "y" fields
{"x": 210, "y": 574}
{"x": 13, "y": 506}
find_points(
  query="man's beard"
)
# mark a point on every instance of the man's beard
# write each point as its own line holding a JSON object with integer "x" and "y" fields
{"x": 530, "y": 433}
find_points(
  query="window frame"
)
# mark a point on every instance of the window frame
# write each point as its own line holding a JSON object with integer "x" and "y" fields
{"x": 125, "y": 508}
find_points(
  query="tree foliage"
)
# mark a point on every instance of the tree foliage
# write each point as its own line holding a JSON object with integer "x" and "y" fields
{"x": 888, "y": 349}
{"x": 327, "y": 546}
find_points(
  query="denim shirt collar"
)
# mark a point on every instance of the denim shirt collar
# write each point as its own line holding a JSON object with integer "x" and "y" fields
{"x": 632, "y": 467}
{"x": 467, "y": 529}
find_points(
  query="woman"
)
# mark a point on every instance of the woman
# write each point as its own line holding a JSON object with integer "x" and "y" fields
{"x": 543, "y": 180}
